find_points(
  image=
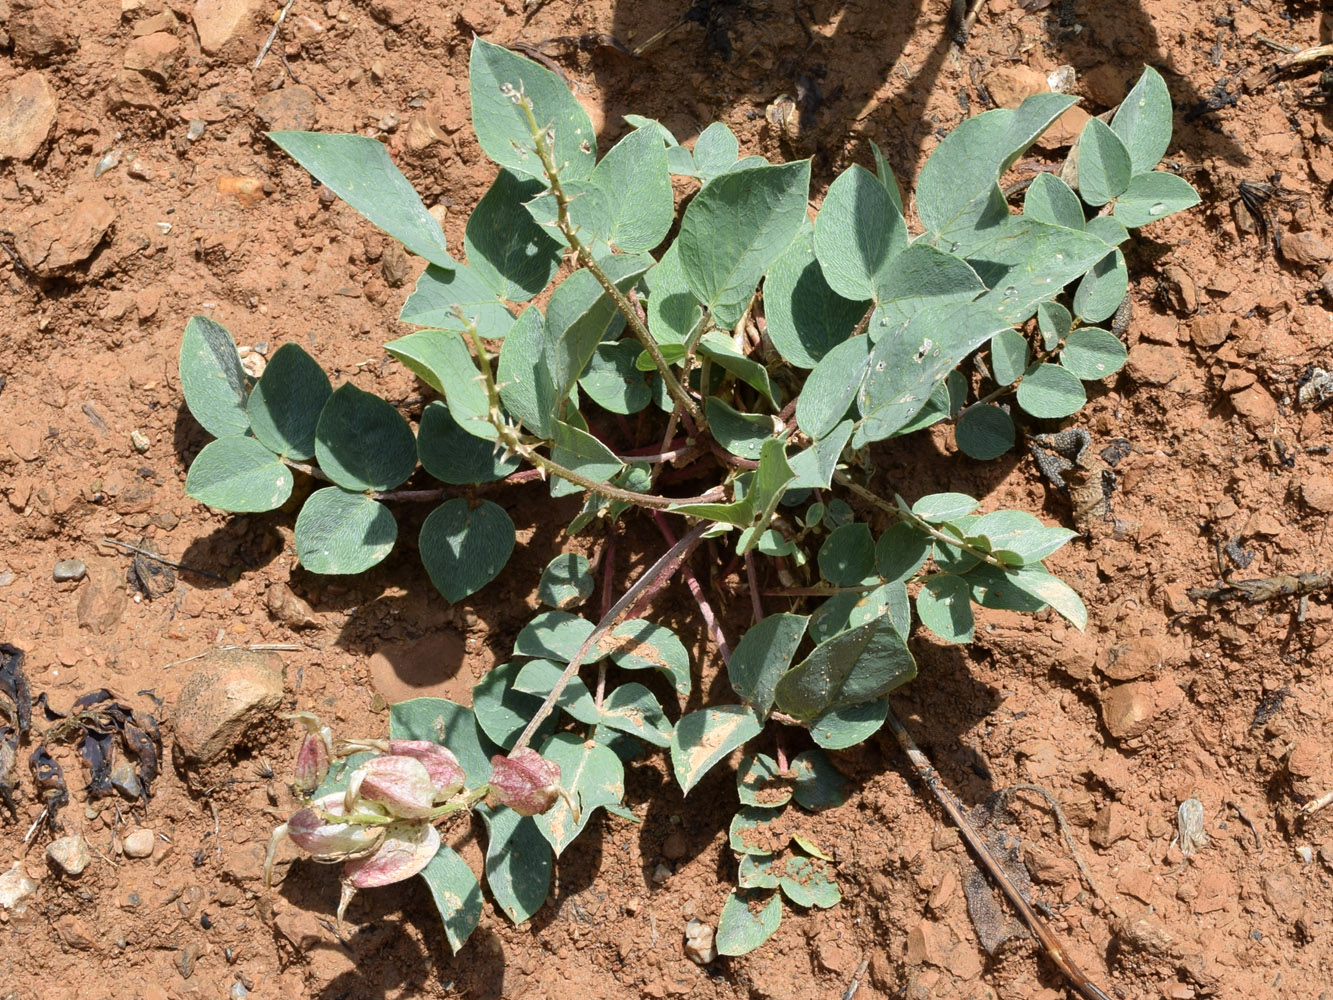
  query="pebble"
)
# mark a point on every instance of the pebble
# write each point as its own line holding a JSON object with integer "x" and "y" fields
{"x": 675, "y": 846}
{"x": 70, "y": 855}
{"x": 68, "y": 570}
{"x": 140, "y": 440}
{"x": 225, "y": 26}
{"x": 1317, "y": 492}
{"x": 15, "y": 888}
{"x": 125, "y": 779}
{"x": 27, "y": 112}
{"x": 138, "y": 844}
{"x": 700, "y": 946}
{"x": 230, "y": 691}
{"x": 660, "y": 874}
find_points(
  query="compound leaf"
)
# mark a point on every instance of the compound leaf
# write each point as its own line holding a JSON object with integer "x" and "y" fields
{"x": 463, "y": 548}
{"x": 763, "y": 655}
{"x": 703, "y": 738}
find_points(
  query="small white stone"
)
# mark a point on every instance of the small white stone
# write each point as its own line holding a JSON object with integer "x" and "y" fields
{"x": 15, "y": 888}
{"x": 660, "y": 874}
{"x": 138, "y": 844}
{"x": 700, "y": 947}
{"x": 70, "y": 855}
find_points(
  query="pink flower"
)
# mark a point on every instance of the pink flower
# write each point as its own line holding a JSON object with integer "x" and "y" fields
{"x": 525, "y": 781}
{"x": 313, "y": 756}
{"x": 408, "y": 847}
{"x": 317, "y": 830}
{"x": 446, "y": 774}
{"x": 400, "y": 785}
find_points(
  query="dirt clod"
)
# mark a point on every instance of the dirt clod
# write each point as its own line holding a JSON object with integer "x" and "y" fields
{"x": 27, "y": 112}
{"x": 227, "y": 693}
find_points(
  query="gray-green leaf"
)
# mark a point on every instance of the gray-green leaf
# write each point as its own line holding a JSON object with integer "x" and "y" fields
{"x": 739, "y": 930}
{"x": 463, "y": 548}
{"x": 212, "y": 378}
{"x": 284, "y": 407}
{"x": 362, "y": 442}
{"x": 238, "y": 474}
{"x": 703, "y": 738}
{"x": 339, "y": 531}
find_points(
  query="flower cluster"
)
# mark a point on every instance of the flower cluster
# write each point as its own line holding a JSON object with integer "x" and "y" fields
{"x": 382, "y": 827}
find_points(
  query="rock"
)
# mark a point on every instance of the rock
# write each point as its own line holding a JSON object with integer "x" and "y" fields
{"x": 125, "y": 779}
{"x": 1009, "y": 85}
{"x": 69, "y": 569}
{"x": 69, "y": 855}
{"x": 289, "y": 609}
{"x": 1065, "y": 130}
{"x": 1112, "y": 824}
{"x": 104, "y": 599}
{"x": 27, "y": 112}
{"x": 228, "y": 27}
{"x": 227, "y": 693}
{"x": 75, "y": 933}
{"x": 155, "y": 56}
{"x": 1148, "y": 933}
{"x": 675, "y": 846}
{"x": 1130, "y": 710}
{"x": 289, "y": 108}
{"x": 1152, "y": 364}
{"x": 40, "y": 31}
{"x": 1179, "y": 289}
{"x": 1317, "y": 492}
{"x": 1305, "y": 249}
{"x": 139, "y": 844}
{"x": 1139, "y": 657}
{"x": 1211, "y": 329}
{"x": 699, "y": 944}
{"x": 64, "y": 234}
{"x": 1256, "y": 407}
{"x": 15, "y": 888}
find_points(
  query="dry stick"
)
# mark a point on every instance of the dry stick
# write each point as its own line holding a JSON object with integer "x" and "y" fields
{"x": 1040, "y": 930}
{"x": 661, "y": 568}
{"x": 691, "y": 581}
{"x": 1315, "y": 805}
{"x": 855, "y": 984}
{"x": 1064, "y": 828}
{"x": 168, "y": 562}
{"x": 272, "y": 35}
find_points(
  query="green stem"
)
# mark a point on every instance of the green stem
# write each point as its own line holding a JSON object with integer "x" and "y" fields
{"x": 585, "y": 257}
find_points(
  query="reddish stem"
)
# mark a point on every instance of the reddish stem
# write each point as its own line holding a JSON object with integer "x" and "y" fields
{"x": 753, "y": 580}
{"x": 697, "y": 592}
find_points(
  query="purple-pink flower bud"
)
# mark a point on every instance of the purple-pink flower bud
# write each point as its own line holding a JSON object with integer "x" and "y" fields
{"x": 400, "y": 785}
{"x": 526, "y": 782}
{"x": 313, "y": 756}
{"x": 317, "y": 830}
{"x": 446, "y": 774}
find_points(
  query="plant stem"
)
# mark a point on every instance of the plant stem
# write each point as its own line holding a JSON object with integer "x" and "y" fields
{"x": 585, "y": 257}
{"x": 662, "y": 567}
{"x": 756, "y": 603}
{"x": 417, "y": 495}
{"x": 310, "y": 470}
{"x": 697, "y": 592}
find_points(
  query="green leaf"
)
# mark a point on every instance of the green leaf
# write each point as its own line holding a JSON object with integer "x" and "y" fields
{"x": 901, "y": 551}
{"x": 831, "y": 389}
{"x": 984, "y": 432}
{"x": 339, "y": 532}
{"x": 340, "y": 774}
{"x": 806, "y": 317}
{"x": 703, "y": 738}
{"x": 1054, "y": 321}
{"x": 715, "y": 151}
{"x": 566, "y": 582}
{"x": 944, "y": 402}
{"x": 1025, "y": 262}
{"x": 740, "y": 513}
{"x": 539, "y": 677}
{"x": 632, "y": 708}
{"x": 750, "y": 833}
{"x": 1153, "y": 196}
{"x": 819, "y": 784}
{"x": 888, "y": 599}
{"x": 636, "y": 644}
{"x": 591, "y": 774}
{"x": 238, "y": 474}
{"x": 673, "y": 311}
{"x": 518, "y": 862}
{"x": 1092, "y": 353}
{"x": 556, "y": 635}
{"x": 284, "y": 407}
{"x": 1050, "y": 199}
{"x": 580, "y": 452}
{"x": 212, "y": 378}
{"x": 440, "y": 295}
{"x": 885, "y": 174}
{"x": 442, "y": 360}
{"x": 858, "y": 233}
{"x": 944, "y": 606}
{"x": 456, "y": 893}
{"x": 1107, "y": 228}
{"x": 463, "y": 547}
{"x": 719, "y": 350}
{"x": 742, "y": 434}
{"x": 613, "y": 381}
{"x": 814, "y": 466}
{"x": 503, "y": 710}
{"x": 591, "y": 212}
{"x": 1009, "y": 356}
{"x": 1104, "y": 166}
{"x": 840, "y": 728}
{"x": 1102, "y": 289}
{"x": 739, "y": 930}
{"x": 1051, "y": 392}
{"x": 454, "y": 456}
{"x": 810, "y": 847}
{"x": 944, "y": 506}
{"x": 763, "y": 655}
{"x": 734, "y": 230}
{"x": 513, "y": 255}
{"x": 1035, "y": 580}
{"x": 958, "y": 194}
{"x": 634, "y": 174}
{"x": 994, "y": 588}
{"x": 809, "y": 882}
{"x": 1143, "y": 121}
{"x": 439, "y": 720}
{"x": 847, "y": 555}
{"x": 362, "y": 442}
{"x": 770, "y": 482}
{"x": 580, "y": 315}
{"x": 1016, "y": 532}
{"x": 526, "y": 387}
{"x": 360, "y": 171}
{"x": 921, "y": 276}
{"x": 759, "y": 784}
{"x": 755, "y": 871}
{"x": 858, "y": 665}
{"x": 495, "y": 76}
